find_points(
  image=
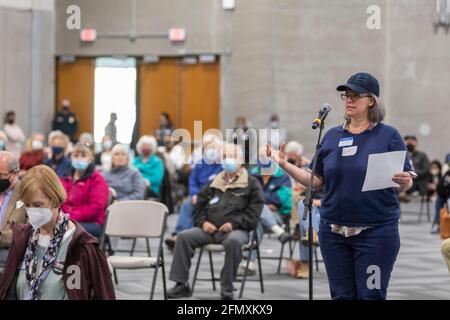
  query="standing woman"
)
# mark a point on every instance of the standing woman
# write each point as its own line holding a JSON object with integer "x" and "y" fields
{"x": 47, "y": 254}
{"x": 358, "y": 233}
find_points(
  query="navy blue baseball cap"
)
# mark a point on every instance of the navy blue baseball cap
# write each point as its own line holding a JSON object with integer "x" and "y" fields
{"x": 361, "y": 82}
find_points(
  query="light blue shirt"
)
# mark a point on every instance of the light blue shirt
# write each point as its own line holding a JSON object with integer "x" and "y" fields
{"x": 5, "y": 204}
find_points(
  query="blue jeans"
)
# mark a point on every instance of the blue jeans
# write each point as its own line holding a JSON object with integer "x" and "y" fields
{"x": 359, "y": 267}
{"x": 93, "y": 228}
{"x": 267, "y": 220}
{"x": 185, "y": 219}
{"x": 304, "y": 224}
{"x": 440, "y": 201}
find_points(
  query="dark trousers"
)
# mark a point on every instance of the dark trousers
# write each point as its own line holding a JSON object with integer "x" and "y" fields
{"x": 359, "y": 267}
{"x": 188, "y": 240}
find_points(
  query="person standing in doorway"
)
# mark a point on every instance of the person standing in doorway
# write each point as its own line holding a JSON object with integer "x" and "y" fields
{"x": 66, "y": 121}
{"x": 111, "y": 129}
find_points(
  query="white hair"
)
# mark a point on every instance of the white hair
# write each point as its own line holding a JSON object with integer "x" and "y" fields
{"x": 294, "y": 146}
{"x": 211, "y": 140}
{"x": 237, "y": 150}
{"x": 150, "y": 140}
{"x": 119, "y": 148}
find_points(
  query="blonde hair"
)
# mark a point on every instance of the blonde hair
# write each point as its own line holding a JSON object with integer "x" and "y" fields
{"x": 29, "y": 142}
{"x": 42, "y": 178}
{"x": 83, "y": 148}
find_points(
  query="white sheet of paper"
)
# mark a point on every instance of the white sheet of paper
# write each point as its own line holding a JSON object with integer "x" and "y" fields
{"x": 381, "y": 167}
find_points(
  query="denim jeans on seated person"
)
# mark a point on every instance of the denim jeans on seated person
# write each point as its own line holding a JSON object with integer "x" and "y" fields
{"x": 267, "y": 220}
{"x": 304, "y": 225}
{"x": 185, "y": 219}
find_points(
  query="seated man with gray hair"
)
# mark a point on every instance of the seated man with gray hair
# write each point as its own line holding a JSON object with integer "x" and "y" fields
{"x": 227, "y": 209}
{"x": 11, "y": 211}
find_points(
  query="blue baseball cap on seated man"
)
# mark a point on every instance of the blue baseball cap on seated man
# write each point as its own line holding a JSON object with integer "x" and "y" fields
{"x": 361, "y": 82}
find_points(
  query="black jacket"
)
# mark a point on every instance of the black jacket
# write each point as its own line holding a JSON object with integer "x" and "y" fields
{"x": 421, "y": 166}
{"x": 240, "y": 203}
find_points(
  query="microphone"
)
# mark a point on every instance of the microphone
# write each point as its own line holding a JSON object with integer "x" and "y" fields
{"x": 326, "y": 108}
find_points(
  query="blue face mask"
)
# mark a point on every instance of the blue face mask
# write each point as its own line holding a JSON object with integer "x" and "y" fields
{"x": 210, "y": 156}
{"x": 57, "y": 150}
{"x": 2, "y": 145}
{"x": 80, "y": 165}
{"x": 229, "y": 165}
{"x": 265, "y": 163}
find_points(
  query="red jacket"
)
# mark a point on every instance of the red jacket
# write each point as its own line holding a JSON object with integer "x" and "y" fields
{"x": 87, "y": 198}
{"x": 29, "y": 159}
{"x": 83, "y": 251}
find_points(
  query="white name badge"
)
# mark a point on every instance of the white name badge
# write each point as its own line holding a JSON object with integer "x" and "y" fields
{"x": 214, "y": 200}
{"x": 349, "y": 151}
{"x": 345, "y": 142}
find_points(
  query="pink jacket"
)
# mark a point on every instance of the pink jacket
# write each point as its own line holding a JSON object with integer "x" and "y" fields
{"x": 87, "y": 198}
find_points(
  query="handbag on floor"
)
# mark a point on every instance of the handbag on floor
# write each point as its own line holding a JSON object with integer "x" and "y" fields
{"x": 445, "y": 223}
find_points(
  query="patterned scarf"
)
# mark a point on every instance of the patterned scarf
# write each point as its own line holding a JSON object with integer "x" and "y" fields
{"x": 36, "y": 276}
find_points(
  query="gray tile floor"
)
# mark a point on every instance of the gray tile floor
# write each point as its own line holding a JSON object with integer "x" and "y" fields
{"x": 419, "y": 273}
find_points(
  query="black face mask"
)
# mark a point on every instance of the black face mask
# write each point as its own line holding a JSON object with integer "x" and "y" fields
{"x": 410, "y": 147}
{"x": 4, "y": 185}
{"x": 291, "y": 161}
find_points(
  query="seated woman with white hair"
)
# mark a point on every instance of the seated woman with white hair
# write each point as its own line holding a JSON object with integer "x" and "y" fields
{"x": 294, "y": 151}
{"x": 150, "y": 165}
{"x": 125, "y": 180}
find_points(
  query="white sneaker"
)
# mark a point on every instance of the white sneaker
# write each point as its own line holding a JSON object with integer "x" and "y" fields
{"x": 251, "y": 268}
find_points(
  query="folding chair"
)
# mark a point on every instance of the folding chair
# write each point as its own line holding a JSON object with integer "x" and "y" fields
{"x": 138, "y": 219}
{"x": 210, "y": 248}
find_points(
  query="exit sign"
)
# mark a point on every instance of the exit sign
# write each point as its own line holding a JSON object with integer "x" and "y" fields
{"x": 88, "y": 35}
{"x": 177, "y": 34}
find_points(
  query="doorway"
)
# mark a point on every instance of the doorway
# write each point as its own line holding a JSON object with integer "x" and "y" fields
{"x": 115, "y": 92}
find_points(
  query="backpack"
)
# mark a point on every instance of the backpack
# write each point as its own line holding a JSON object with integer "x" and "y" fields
{"x": 443, "y": 188}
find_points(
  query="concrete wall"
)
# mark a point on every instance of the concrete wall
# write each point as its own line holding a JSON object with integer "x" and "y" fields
{"x": 27, "y": 63}
{"x": 288, "y": 56}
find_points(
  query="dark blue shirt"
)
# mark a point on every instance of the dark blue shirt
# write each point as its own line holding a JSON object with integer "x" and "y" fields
{"x": 62, "y": 168}
{"x": 344, "y": 203}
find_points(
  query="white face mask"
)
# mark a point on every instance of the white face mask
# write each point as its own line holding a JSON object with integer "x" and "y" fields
{"x": 39, "y": 217}
{"x": 37, "y": 144}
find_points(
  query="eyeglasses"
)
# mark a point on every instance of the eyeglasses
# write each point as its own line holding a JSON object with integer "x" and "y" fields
{"x": 353, "y": 96}
{"x": 7, "y": 175}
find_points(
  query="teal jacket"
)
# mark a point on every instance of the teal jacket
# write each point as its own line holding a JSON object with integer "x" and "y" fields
{"x": 277, "y": 191}
{"x": 152, "y": 171}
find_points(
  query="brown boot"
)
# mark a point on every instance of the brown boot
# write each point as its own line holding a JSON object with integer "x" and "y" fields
{"x": 303, "y": 271}
{"x": 305, "y": 240}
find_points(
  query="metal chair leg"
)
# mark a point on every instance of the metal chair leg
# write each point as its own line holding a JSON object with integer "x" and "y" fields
{"x": 132, "y": 247}
{"x": 196, "y": 270}
{"x": 213, "y": 277}
{"x": 258, "y": 257}
{"x": 280, "y": 258}
{"x": 316, "y": 259}
{"x": 116, "y": 280}
{"x": 163, "y": 270}
{"x": 155, "y": 274}
{"x": 245, "y": 274}
{"x": 149, "y": 252}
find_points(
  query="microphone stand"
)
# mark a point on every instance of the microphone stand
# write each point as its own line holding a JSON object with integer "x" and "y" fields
{"x": 307, "y": 212}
